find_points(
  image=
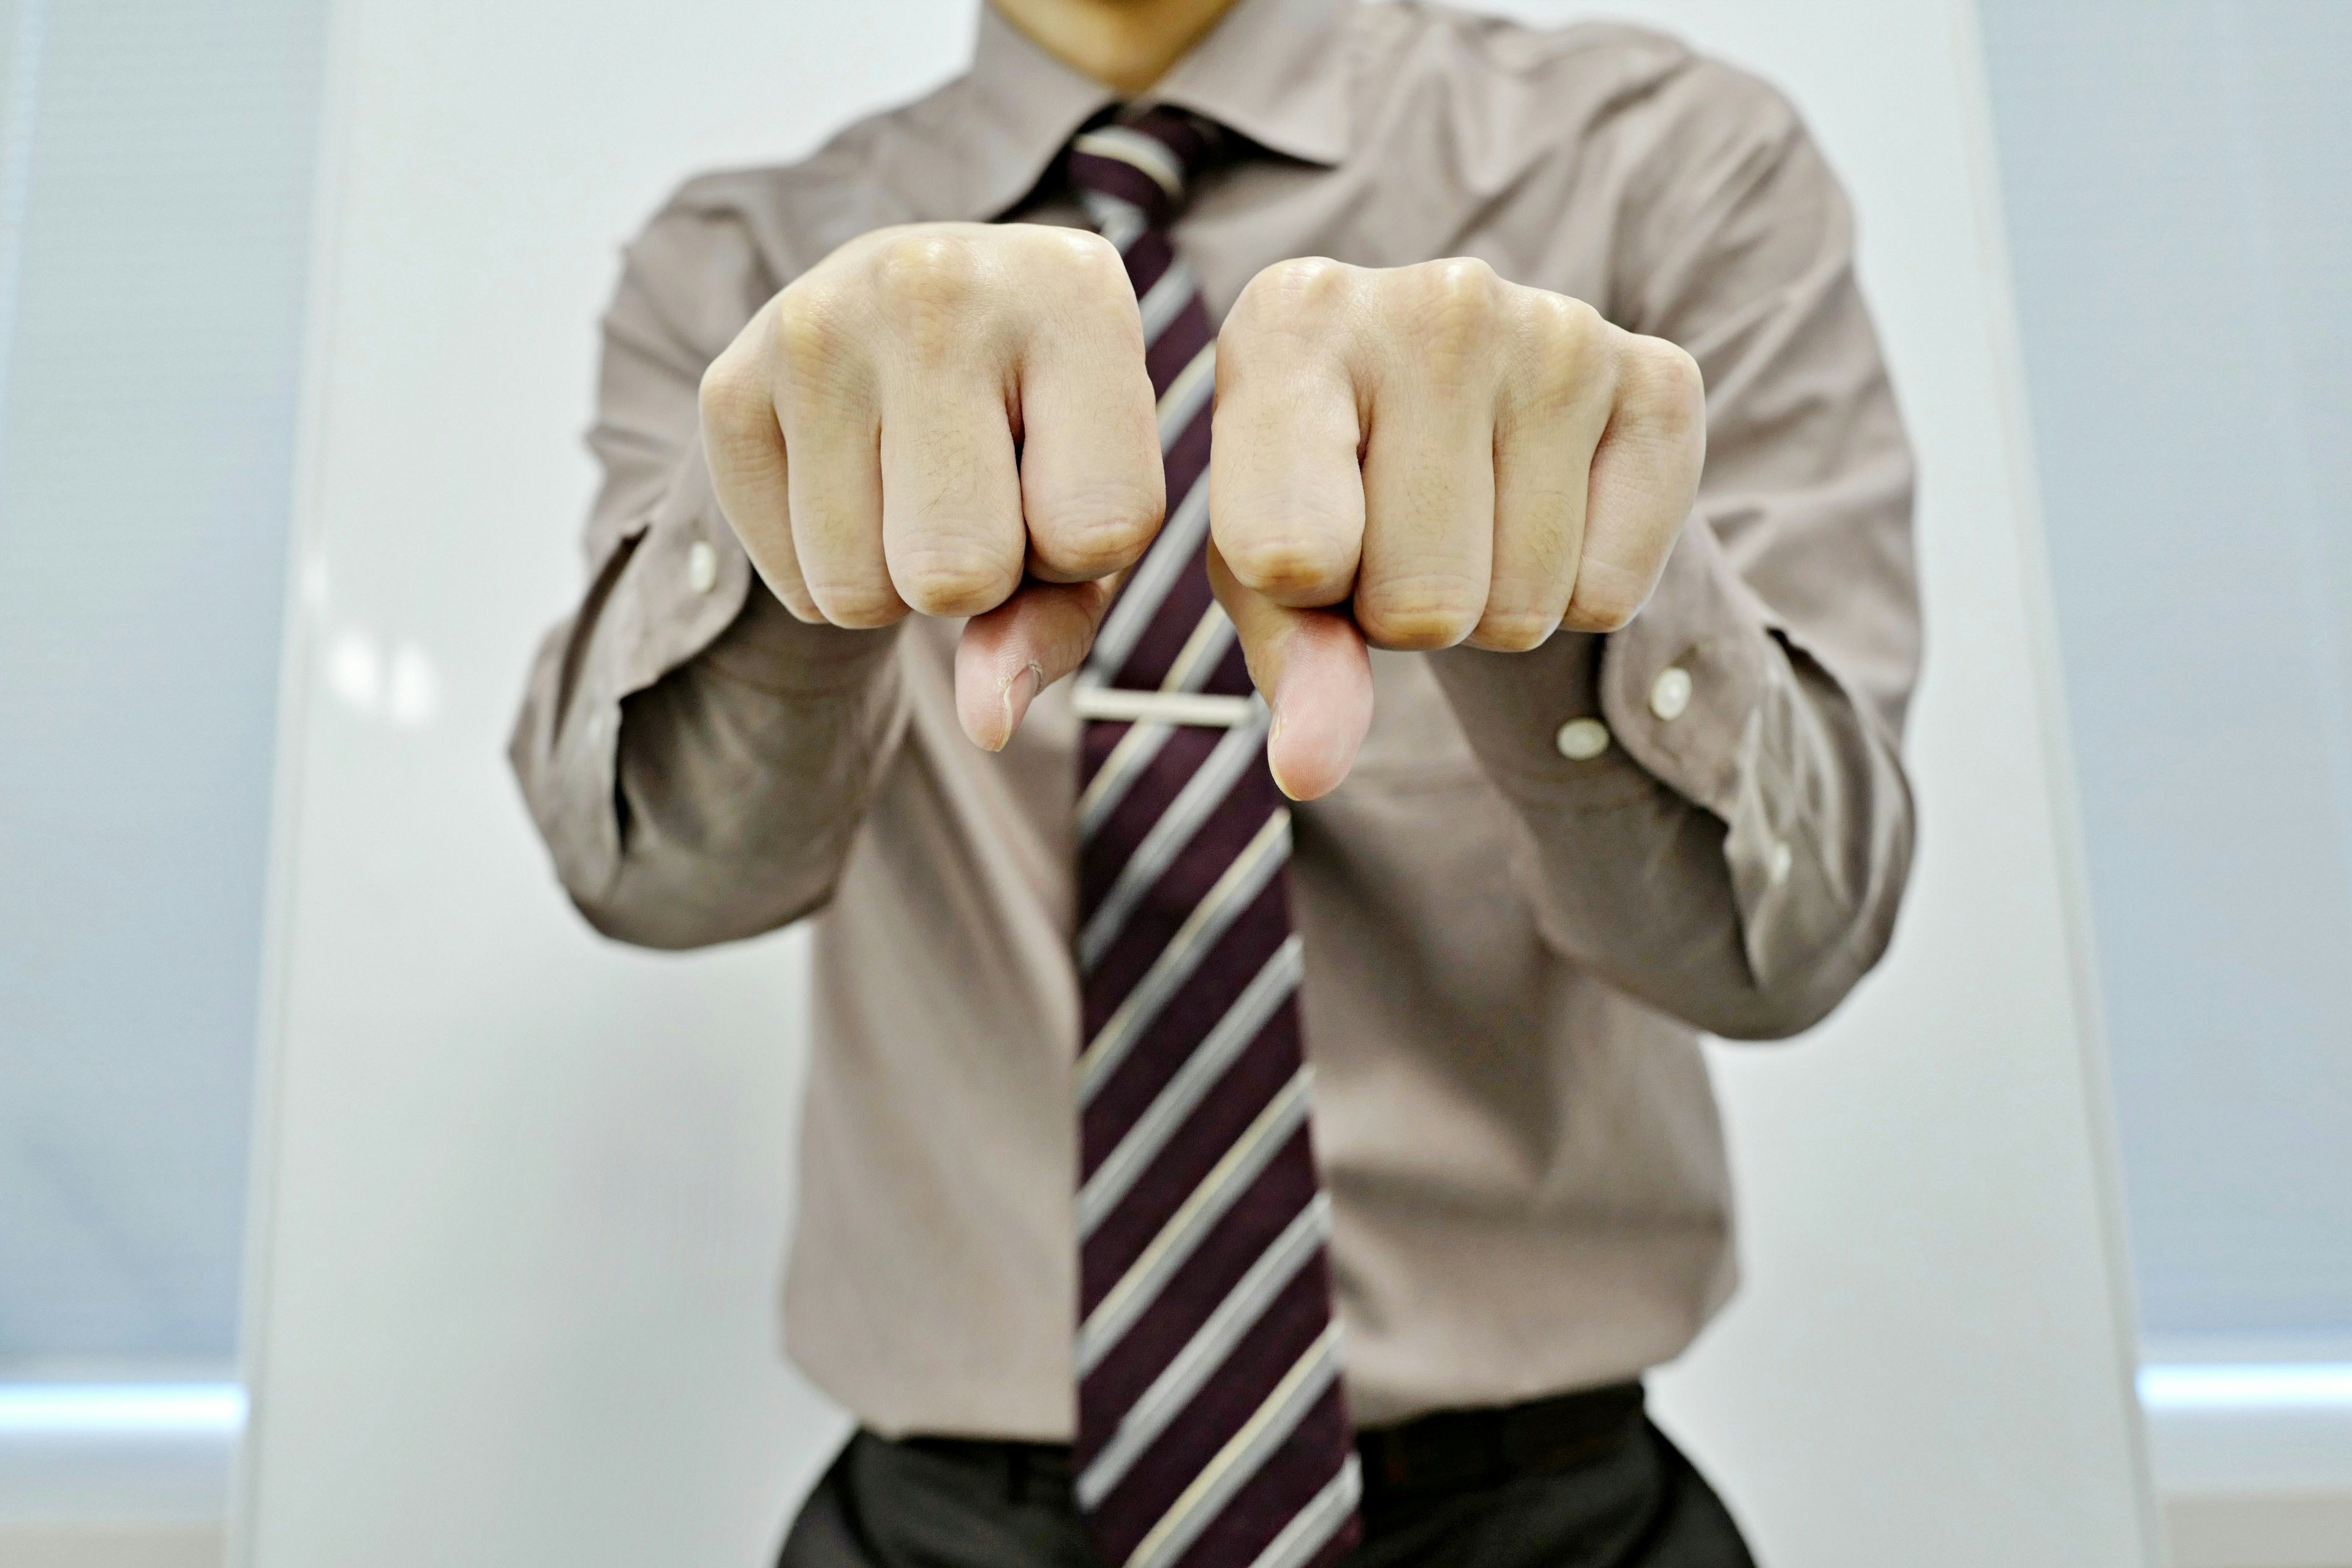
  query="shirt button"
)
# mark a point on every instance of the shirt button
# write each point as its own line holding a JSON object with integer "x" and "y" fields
{"x": 1671, "y": 692}
{"x": 1582, "y": 739}
{"x": 702, "y": 566}
{"x": 1777, "y": 862}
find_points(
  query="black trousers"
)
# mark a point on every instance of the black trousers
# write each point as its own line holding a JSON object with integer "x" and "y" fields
{"x": 1464, "y": 1488}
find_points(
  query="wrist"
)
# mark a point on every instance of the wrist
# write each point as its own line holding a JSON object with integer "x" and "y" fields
{"x": 769, "y": 648}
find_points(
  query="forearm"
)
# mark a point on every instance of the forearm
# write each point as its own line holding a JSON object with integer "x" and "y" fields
{"x": 696, "y": 760}
{"x": 743, "y": 776}
{"x": 1738, "y": 864}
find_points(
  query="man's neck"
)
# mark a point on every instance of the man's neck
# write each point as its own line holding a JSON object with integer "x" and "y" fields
{"x": 1126, "y": 45}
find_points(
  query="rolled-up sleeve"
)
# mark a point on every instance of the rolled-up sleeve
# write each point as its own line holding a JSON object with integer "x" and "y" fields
{"x": 1714, "y": 807}
{"x": 696, "y": 760}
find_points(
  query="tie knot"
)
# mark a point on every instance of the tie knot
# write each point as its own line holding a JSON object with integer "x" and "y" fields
{"x": 1141, "y": 162}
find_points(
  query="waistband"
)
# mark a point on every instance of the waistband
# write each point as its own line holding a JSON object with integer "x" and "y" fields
{"x": 1445, "y": 1451}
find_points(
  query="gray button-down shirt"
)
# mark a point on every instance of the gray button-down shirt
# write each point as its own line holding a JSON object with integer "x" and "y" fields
{"x": 1547, "y": 870}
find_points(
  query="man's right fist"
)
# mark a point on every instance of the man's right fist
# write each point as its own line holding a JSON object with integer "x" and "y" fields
{"x": 971, "y": 431}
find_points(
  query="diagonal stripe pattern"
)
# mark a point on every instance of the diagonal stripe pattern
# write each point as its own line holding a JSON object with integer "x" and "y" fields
{"x": 1212, "y": 1428}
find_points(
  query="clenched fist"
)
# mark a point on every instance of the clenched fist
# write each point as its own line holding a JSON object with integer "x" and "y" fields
{"x": 1451, "y": 457}
{"x": 952, "y": 418}
{"x": 955, "y": 419}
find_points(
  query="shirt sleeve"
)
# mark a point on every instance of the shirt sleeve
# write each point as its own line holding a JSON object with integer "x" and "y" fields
{"x": 696, "y": 758}
{"x": 1713, "y": 801}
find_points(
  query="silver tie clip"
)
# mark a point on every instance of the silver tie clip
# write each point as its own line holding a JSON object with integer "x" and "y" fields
{"x": 1196, "y": 708}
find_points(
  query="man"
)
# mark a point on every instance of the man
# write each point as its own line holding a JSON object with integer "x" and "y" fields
{"x": 966, "y": 486}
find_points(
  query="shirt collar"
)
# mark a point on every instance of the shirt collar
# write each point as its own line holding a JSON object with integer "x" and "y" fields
{"x": 1274, "y": 70}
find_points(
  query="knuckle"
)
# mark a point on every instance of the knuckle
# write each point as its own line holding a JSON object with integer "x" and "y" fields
{"x": 1084, "y": 261}
{"x": 1574, "y": 327}
{"x": 1449, "y": 305}
{"x": 1458, "y": 285}
{"x": 1564, "y": 351}
{"x": 1571, "y": 332}
{"x": 1304, "y": 291}
{"x": 1587, "y": 618}
{"x": 1669, "y": 380}
{"x": 1515, "y": 629}
{"x": 947, "y": 575}
{"x": 1420, "y": 611}
{"x": 925, "y": 270}
{"x": 733, "y": 398}
{"x": 1605, "y": 601}
{"x": 1288, "y": 565}
{"x": 1098, "y": 527}
{"x": 782, "y": 578}
{"x": 803, "y": 327}
{"x": 858, "y": 603}
{"x": 928, "y": 294}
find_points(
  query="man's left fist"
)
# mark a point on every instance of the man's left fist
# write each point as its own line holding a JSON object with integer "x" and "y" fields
{"x": 1423, "y": 456}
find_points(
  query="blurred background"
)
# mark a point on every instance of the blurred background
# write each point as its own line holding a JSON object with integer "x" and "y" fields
{"x": 2177, "y": 191}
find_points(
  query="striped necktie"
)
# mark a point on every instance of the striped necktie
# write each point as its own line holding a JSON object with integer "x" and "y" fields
{"x": 1212, "y": 1428}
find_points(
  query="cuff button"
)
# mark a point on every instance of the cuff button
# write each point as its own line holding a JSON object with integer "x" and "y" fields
{"x": 1671, "y": 692}
{"x": 1777, "y": 861}
{"x": 702, "y": 566}
{"x": 1582, "y": 739}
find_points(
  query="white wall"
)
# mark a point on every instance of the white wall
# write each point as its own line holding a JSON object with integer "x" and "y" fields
{"x": 525, "y": 1191}
{"x": 519, "y": 1228}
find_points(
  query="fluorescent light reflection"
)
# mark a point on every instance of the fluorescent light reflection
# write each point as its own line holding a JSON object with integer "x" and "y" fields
{"x": 120, "y": 1409}
{"x": 100, "y": 1408}
{"x": 395, "y": 682}
{"x": 2313, "y": 1386}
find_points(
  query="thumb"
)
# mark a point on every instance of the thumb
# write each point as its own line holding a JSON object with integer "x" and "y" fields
{"x": 1312, "y": 667}
{"x": 1019, "y": 649}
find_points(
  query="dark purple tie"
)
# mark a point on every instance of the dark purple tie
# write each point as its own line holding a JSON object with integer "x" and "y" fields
{"x": 1212, "y": 1428}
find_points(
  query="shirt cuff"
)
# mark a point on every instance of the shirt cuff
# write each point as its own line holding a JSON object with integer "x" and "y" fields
{"x": 1699, "y": 689}
{"x": 1695, "y": 693}
{"x": 660, "y": 598}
